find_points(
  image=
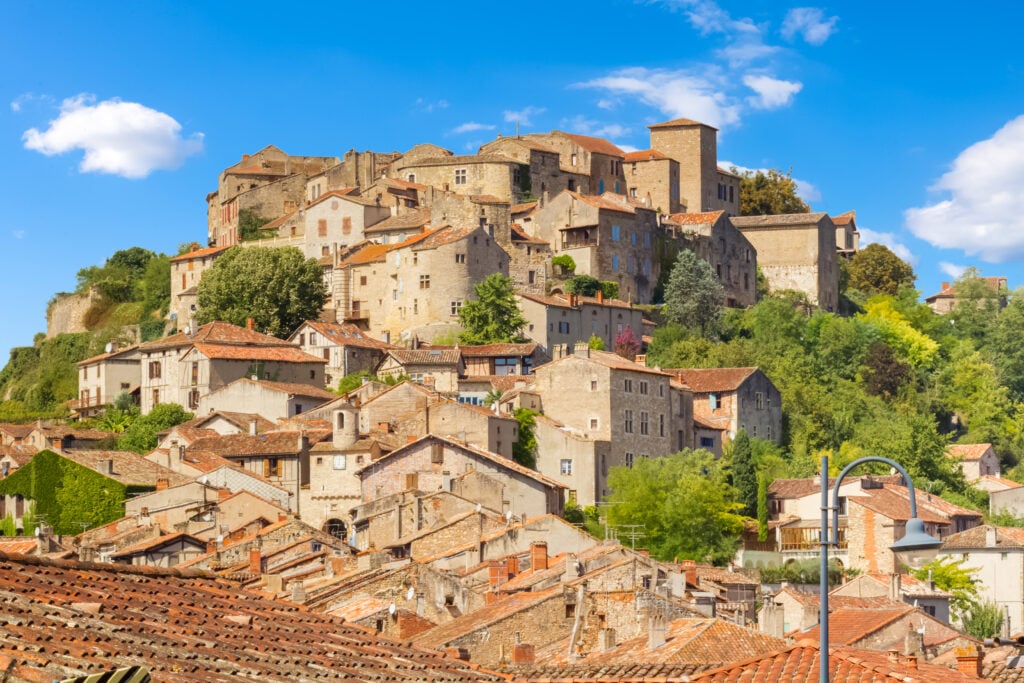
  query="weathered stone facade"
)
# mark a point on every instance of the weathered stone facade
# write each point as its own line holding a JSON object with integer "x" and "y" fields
{"x": 186, "y": 271}
{"x": 712, "y": 237}
{"x": 66, "y": 313}
{"x": 653, "y": 180}
{"x": 559, "y": 323}
{"x": 703, "y": 185}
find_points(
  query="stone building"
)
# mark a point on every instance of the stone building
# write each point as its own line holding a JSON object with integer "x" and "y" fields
{"x": 652, "y": 179}
{"x": 703, "y": 186}
{"x": 270, "y": 183}
{"x": 344, "y": 347}
{"x": 560, "y": 322}
{"x": 946, "y": 299}
{"x": 796, "y": 251}
{"x": 398, "y": 196}
{"x": 976, "y": 460}
{"x": 546, "y": 174}
{"x": 493, "y": 175}
{"x": 597, "y": 159}
{"x": 416, "y": 287}
{"x": 847, "y": 235}
{"x": 186, "y": 271}
{"x": 735, "y": 399}
{"x": 713, "y": 237}
{"x": 399, "y": 227}
{"x": 608, "y": 398}
{"x": 102, "y": 378}
{"x": 334, "y": 221}
{"x": 184, "y": 367}
{"x": 272, "y": 400}
{"x": 608, "y": 238}
{"x": 356, "y": 169}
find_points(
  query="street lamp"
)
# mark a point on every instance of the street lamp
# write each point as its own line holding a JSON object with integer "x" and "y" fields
{"x": 915, "y": 549}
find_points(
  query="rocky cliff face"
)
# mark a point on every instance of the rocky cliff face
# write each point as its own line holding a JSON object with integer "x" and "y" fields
{"x": 66, "y": 313}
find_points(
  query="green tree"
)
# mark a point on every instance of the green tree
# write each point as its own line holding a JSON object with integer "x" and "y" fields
{"x": 277, "y": 287}
{"x": 494, "y": 316}
{"x": 950, "y": 575}
{"x": 352, "y": 381}
{"x": 524, "y": 448}
{"x": 564, "y": 262}
{"x": 584, "y": 285}
{"x": 875, "y": 269}
{"x": 29, "y": 522}
{"x": 983, "y": 620}
{"x": 682, "y": 504}
{"x": 744, "y": 475}
{"x": 141, "y": 437}
{"x": 693, "y": 296}
{"x": 595, "y": 343}
{"x": 249, "y": 224}
{"x": 769, "y": 193}
{"x": 762, "y": 506}
{"x": 977, "y": 307}
{"x": 8, "y": 527}
{"x": 114, "y": 420}
{"x": 155, "y": 285}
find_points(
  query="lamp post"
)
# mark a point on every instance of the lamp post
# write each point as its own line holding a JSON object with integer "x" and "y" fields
{"x": 915, "y": 549}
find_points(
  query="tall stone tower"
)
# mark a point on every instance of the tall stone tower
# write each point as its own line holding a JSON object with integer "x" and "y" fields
{"x": 694, "y": 146}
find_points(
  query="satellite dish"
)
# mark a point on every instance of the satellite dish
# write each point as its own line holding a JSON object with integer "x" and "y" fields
{"x": 508, "y": 516}
{"x": 188, "y": 330}
{"x": 479, "y": 507}
{"x": 391, "y": 608}
{"x": 411, "y": 594}
{"x": 109, "y": 348}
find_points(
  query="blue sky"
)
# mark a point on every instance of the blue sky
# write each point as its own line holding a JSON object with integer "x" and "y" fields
{"x": 116, "y": 118}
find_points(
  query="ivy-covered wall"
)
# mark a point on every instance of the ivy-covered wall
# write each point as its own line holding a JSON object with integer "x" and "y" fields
{"x": 66, "y": 494}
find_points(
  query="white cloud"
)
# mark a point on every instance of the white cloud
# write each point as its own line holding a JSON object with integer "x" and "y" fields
{"x": 809, "y": 22}
{"x": 772, "y": 93}
{"x": 698, "y": 94}
{"x": 19, "y": 102}
{"x": 889, "y": 240}
{"x": 121, "y": 138}
{"x": 952, "y": 269}
{"x": 524, "y": 116}
{"x": 18, "y": 234}
{"x": 984, "y": 212}
{"x": 804, "y": 189}
{"x": 628, "y": 148}
{"x": 471, "y": 126}
{"x": 428, "y": 106}
{"x": 584, "y": 126}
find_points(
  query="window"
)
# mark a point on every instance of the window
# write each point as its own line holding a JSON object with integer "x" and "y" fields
{"x": 707, "y": 442}
{"x": 156, "y": 397}
{"x": 346, "y": 226}
{"x": 632, "y": 238}
{"x": 616, "y": 233}
{"x": 411, "y": 177}
{"x": 193, "y": 399}
{"x": 593, "y": 385}
{"x": 572, "y": 185}
{"x": 460, "y": 176}
{"x": 731, "y": 196}
{"x": 768, "y": 432}
{"x": 746, "y": 281}
{"x": 759, "y": 400}
{"x": 415, "y": 306}
{"x": 424, "y": 282}
{"x": 456, "y": 307}
{"x": 629, "y": 459}
{"x": 628, "y": 426}
{"x": 565, "y": 466}
{"x": 321, "y": 227}
{"x": 575, "y": 160}
{"x": 644, "y": 427}
{"x": 460, "y": 258}
{"x": 531, "y": 277}
{"x": 643, "y": 387}
{"x": 627, "y": 386}
{"x": 647, "y": 240}
{"x": 713, "y": 401}
{"x": 632, "y": 192}
{"x": 154, "y": 369}
{"x": 563, "y": 327}
{"x": 362, "y": 280}
{"x": 593, "y": 423}
{"x": 339, "y": 462}
{"x": 615, "y": 261}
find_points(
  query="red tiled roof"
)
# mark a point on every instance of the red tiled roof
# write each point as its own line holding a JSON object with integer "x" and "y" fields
{"x": 675, "y": 123}
{"x": 702, "y": 380}
{"x": 414, "y": 219}
{"x": 371, "y": 253}
{"x": 482, "y": 350}
{"x": 17, "y": 431}
{"x": 645, "y": 155}
{"x": 520, "y": 235}
{"x": 103, "y": 356}
{"x": 592, "y": 144}
{"x": 704, "y": 218}
{"x": 850, "y": 626}
{"x": 562, "y": 300}
{"x": 800, "y": 664}
{"x": 490, "y": 614}
{"x": 277, "y": 354}
{"x": 887, "y": 502}
{"x": 157, "y": 542}
{"x": 949, "y": 290}
{"x": 215, "y": 333}
{"x": 344, "y": 193}
{"x": 968, "y": 451}
{"x": 306, "y": 390}
{"x": 67, "y": 619}
{"x": 268, "y": 443}
{"x": 129, "y": 468}
{"x": 449, "y": 356}
{"x": 526, "y": 207}
{"x": 977, "y": 538}
{"x": 607, "y": 201}
{"x": 347, "y": 334}
{"x": 199, "y": 253}
{"x": 702, "y": 423}
{"x": 845, "y": 218}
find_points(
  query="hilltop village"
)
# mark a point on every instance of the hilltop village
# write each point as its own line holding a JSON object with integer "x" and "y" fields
{"x": 393, "y": 531}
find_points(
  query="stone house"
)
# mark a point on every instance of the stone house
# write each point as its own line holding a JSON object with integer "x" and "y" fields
{"x": 735, "y": 399}
{"x": 798, "y": 252}
{"x": 946, "y": 299}
{"x": 102, "y": 378}
{"x": 163, "y": 551}
{"x": 14, "y": 435}
{"x": 344, "y": 347}
{"x": 438, "y": 369}
{"x": 273, "y": 400}
{"x": 997, "y": 555}
{"x": 528, "y": 261}
{"x": 559, "y": 323}
{"x": 847, "y": 235}
{"x": 703, "y": 185}
{"x": 546, "y": 173}
{"x": 186, "y": 271}
{"x": 61, "y": 438}
{"x": 416, "y": 287}
{"x": 608, "y": 398}
{"x": 900, "y": 588}
{"x": 357, "y": 169}
{"x": 270, "y": 183}
{"x": 607, "y": 236}
{"x": 582, "y": 155}
{"x": 707, "y": 435}
{"x": 652, "y": 179}
{"x": 976, "y": 460}
{"x": 492, "y": 175}
{"x": 336, "y": 220}
{"x": 184, "y": 367}
{"x": 383, "y": 411}
{"x": 557, "y": 442}
{"x": 400, "y": 197}
{"x": 713, "y": 238}
{"x": 435, "y": 463}
{"x": 400, "y": 227}
{"x": 13, "y": 457}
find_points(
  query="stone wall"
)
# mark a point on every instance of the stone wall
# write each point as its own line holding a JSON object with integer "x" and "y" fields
{"x": 66, "y": 313}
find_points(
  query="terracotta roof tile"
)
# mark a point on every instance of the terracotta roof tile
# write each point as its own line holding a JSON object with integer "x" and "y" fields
{"x": 526, "y": 207}
{"x": 199, "y": 253}
{"x": 702, "y": 380}
{"x": 968, "y": 452}
{"x": 277, "y": 354}
{"x": 414, "y": 219}
{"x": 977, "y": 538}
{"x": 607, "y": 201}
{"x": 17, "y": 431}
{"x": 447, "y": 356}
{"x": 129, "y": 468}
{"x": 675, "y": 123}
{"x": 562, "y": 301}
{"x": 347, "y": 334}
{"x": 592, "y": 144}
{"x": 777, "y": 220}
{"x": 370, "y": 253}
{"x": 306, "y": 390}
{"x": 267, "y": 443}
{"x": 112, "y": 354}
{"x": 215, "y": 333}
{"x": 845, "y": 218}
{"x": 705, "y": 218}
{"x": 645, "y": 155}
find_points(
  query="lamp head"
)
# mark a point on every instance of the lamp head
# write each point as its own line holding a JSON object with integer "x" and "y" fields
{"x": 916, "y": 548}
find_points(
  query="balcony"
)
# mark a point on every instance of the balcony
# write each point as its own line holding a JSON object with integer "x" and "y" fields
{"x": 355, "y": 314}
{"x": 579, "y": 242}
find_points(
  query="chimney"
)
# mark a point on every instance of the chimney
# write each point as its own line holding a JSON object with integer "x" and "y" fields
{"x": 913, "y": 643}
{"x": 690, "y": 569}
{"x": 600, "y": 296}
{"x": 497, "y": 574}
{"x": 224, "y": 494}
{"x": 457, "y": 653}
{"x": 969, "y": 661}
{"x": 513, "y": 565}
{"x": 255, "y": 561}
{"x": 945, "y": 285}
{"x": 538, "y": 555}
{"x": 162, "y": 484}
{"x": 252, "y": 427}
{"x": 522, "y": 653}
{"x": 250, "y": 323}
{"x": 573, "y": 568}
{"x": 896, "y": 587}
{"x": 298, "y": 591}
{"x": 605, "y": 639}
{"x": 275, "y": 584}
{"x": 655, "y": 631}
{"x": 909, "y": 661}
{"x": 303, "y": 442}
{"x": 107, "y": 467}
{"x": 990, "y": 537}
